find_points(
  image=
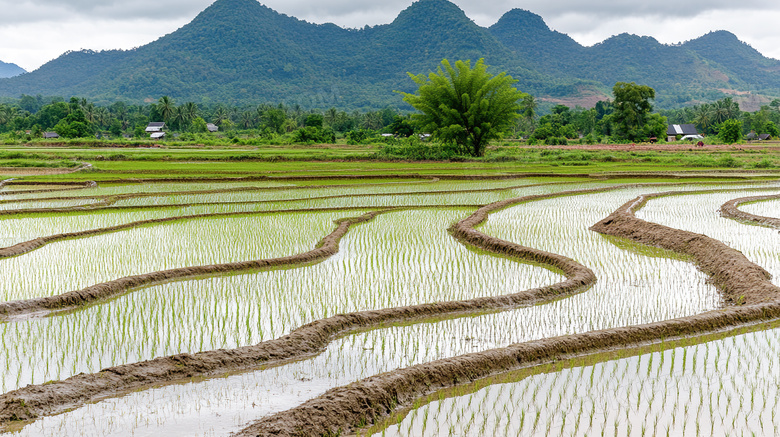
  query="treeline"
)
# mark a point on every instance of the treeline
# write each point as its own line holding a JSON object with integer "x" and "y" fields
{"x": 32, "y": 116}
{"x": 710, "y": 117}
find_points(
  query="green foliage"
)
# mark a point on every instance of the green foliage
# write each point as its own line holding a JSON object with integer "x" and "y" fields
{"x": 414, "y": 149}
{"x": 465, "y": 106}
{"x": 75, "y": 125}
{"x": 311, "y": 134}
{"x": 730, "y": 131}
{"x": 631, "y": 110}
{"x": 198, "y": 125}
{"x": 359, "y": 136}
{"x": 401, "y": 127}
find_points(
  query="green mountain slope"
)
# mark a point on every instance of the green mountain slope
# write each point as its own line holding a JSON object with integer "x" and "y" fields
{"x": 737, "y": 60}
{"x": 10, "y": 70}
{"x": 239, "y": 51}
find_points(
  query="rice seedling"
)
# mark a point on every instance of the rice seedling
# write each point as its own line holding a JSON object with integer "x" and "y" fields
{"x": 400, "y": 258}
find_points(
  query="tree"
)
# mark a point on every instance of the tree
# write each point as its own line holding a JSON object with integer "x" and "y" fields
{"x": 631, "y": 108}
{"x": 75, "y": 125}
{"x": 166, "y": 107}
{"x": 465, "y": 106}
{"x": 730, "y": 131}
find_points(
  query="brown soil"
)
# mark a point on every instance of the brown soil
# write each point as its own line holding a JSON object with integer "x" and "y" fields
{"x": 648, "y": 147}
{"x": 731, "y": 209}
{"x": 52, "y": 398}
{"x": 739, "y": 280}
{"x": 366, "y": 402}
{"x": 41, "y": 171}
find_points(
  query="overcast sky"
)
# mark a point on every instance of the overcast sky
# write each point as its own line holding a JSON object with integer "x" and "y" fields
{"x": 33, "y": 32}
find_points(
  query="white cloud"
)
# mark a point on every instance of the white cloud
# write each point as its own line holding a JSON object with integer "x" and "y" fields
{"x": 19, "y": 47}
{"x": 671, "y": 30}
{"x": 35, "y": 31}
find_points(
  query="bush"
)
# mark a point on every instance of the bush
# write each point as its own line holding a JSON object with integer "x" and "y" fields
{"x": 414, "y": 149}
{"x": 730, "y": 131}
{"x": 311, "y": 134}
{"x": 556, "y": 141}
{"x": 727, "y": 161}
{"x": 358, "y": 136}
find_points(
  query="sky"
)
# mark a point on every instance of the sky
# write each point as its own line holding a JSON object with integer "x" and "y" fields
{"x": 33, "y": 32}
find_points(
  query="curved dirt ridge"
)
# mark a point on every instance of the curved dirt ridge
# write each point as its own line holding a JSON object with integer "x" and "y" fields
{"x": 731, "y": 210}
{"x": 67, "y": 186}
{"x": 52, "y": 398}
{"x": 323, "y": 249}
{"x": 109, "y": 200}
{"x": 35, "y": 243}
{"x": 346, "y": 409}
{"x": 739, "y": 280}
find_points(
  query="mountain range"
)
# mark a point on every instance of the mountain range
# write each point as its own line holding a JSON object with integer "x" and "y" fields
{"x": 10, "y": 70}
{"x": 241, "y": 52}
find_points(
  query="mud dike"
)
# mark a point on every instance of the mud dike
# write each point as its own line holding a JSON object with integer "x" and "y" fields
{"x": 369, "y": 401}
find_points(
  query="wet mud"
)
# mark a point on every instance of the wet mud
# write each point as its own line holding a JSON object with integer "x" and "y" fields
{"x": 346, "y": 409}
{"x": 55, "y": 397}
{"x": 731, "y": 210}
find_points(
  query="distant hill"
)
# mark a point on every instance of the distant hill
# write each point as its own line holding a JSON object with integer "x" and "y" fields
{"x": 10, "y": 70}
{"x": 239, "y": 51}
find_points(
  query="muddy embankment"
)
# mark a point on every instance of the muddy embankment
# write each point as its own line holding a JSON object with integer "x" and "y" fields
{"x": 55, "y": 397}
{"x": 324, "y": 249}
{"x": 30, "y": 245}
{"x": 731, "y": 210}
{"x": 65, "y": 186}
{"x": 346, "y": 409}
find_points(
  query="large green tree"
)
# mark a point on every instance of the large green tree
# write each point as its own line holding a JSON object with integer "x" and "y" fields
{"x": 631, "y": 109}
{"x": 465, "y": 106}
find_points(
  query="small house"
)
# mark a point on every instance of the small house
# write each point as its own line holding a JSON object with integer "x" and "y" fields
{"x": 765, "y": 137}
{"x": 680, "y": 130}
{"x": 50, "y": 135}
{"x": 155, "y": 127}
{"x": 212, "y": 127}
{"x": 751, "y": 136}
{"x": 157, "y": 135}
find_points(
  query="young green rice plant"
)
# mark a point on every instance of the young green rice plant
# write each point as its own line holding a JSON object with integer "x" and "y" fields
{"x": 400, "y": 258}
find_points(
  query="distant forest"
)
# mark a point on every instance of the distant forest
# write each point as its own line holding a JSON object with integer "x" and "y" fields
{"x": 239, "y": 52}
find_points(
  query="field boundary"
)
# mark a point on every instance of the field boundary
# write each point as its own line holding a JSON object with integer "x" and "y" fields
{"x": 34, "y": 401}
{"x": 349, "y": 408}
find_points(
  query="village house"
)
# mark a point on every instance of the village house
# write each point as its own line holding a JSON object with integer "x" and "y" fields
{"x": 676, "y": 131}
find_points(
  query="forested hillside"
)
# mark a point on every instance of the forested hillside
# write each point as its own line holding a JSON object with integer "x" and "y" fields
{"x": 239, "y": 51}
{"x": 10, "y": 70}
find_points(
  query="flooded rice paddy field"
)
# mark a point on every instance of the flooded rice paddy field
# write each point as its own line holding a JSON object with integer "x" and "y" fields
{"x": 401, "y": 257}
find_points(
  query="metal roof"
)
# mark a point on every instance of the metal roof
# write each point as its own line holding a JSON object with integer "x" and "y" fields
{"x": 681, "y": 129}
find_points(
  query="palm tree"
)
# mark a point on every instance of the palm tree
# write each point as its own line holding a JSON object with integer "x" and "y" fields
{"x": 703, "y": 116}
{"x": 189, "y": 111}
{"x": 220, "y": 115}
{"x": 165, "y": 107}
{"x": 247, "y": 119}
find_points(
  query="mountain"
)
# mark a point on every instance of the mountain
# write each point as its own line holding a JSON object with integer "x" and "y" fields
{"x": 10, "y": 70}
{"x": 239, "y": 51}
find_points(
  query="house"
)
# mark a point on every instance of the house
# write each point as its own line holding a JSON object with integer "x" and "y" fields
{"x": 212, "y": 127}
{"x": 751, "y": 136}
{"x": 681, "y": 130}
{"x": 157, "y": 135}
{"x": 50, "y": 135}
{"x": 155, "y": 126}
{"x": 765, "y": 137}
